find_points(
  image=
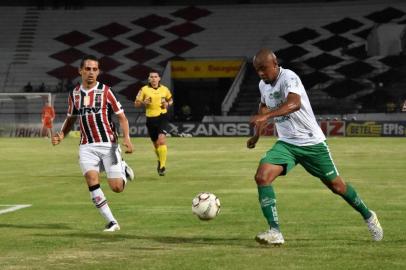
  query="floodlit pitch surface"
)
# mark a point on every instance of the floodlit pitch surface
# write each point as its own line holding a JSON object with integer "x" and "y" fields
{"x": 63, "y": 230}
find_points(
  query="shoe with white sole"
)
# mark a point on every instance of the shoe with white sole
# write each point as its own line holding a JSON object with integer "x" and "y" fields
{"x": 129, "y": 173}
{"x": 112, "y": 227}
{"x": 271, "y": 237}
{"x": 374, "y": 227}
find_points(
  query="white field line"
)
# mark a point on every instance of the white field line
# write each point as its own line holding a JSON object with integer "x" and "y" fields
{"x": 13, "y": 207}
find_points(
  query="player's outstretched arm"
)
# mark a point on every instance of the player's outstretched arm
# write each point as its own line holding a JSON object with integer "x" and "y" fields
{"x": 129, "y": 148}
{"x": 66, "y": 127}
{"x": 257, "y": 127}
{"x": 57, "y": 138}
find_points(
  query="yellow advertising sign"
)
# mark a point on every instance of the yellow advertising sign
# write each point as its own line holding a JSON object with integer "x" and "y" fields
{"x": 364, "y": 129}
{"x": 205, "y": 68}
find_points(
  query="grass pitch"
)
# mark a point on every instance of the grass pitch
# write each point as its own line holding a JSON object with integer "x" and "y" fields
{"x": 63, "y": 230}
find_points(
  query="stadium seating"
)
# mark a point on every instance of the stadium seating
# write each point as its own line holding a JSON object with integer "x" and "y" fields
{"x": 342, "y": 73}
{"x": 325, "y": 43}
{"x": 248, "y": 96}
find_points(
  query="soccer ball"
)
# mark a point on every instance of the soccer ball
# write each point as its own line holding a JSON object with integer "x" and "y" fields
{"x": 206, "y": 206}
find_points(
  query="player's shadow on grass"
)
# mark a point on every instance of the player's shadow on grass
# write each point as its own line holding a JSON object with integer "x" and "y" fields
{"x": 54, "y": 176}
{"x": 55, "y": 226}
{"x": 169, "y": 240}
{"x": 195, "y": 240}
{"x": 204, "y": 241}
{"x": 101, "y": 236}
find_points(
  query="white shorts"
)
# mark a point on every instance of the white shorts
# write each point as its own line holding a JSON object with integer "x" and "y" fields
{"x": 101, "y": 157}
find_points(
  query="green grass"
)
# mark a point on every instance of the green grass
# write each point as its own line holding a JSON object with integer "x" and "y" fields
{"x": 62, "y": 229}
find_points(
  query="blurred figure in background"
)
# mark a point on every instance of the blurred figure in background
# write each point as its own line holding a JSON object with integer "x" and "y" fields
{"x": 47, "y": 119}
{"x": 42, "y": 88}
{"x": 186, "y": 113}
{"x": 28, "y": 87}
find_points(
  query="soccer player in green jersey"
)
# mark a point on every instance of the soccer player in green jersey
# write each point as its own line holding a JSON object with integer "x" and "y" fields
{"x": 300, "y": 140}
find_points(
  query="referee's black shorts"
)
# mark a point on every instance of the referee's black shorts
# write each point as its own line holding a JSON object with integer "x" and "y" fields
{"x": 157, "y": 125}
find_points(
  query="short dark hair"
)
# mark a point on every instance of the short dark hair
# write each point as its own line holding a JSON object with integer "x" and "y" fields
{"x": 154, "y": 71}
{"x": 88, "y": 57}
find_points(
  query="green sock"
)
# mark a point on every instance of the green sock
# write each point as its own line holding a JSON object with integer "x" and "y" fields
{"x": 267, "y": 200}
{"x": 352, "y": 198}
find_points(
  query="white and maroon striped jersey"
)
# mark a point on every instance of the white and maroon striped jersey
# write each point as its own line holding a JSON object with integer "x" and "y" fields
{"x": 94, "y": 108}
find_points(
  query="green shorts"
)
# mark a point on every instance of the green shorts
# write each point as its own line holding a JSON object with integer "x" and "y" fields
{"x": 316, "y": 159}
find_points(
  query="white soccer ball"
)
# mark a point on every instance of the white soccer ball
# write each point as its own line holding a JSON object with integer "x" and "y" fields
{"x": 206, "y": 206}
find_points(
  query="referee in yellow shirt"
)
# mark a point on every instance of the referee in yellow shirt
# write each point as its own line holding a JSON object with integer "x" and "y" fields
{"x": 156, "y": 98}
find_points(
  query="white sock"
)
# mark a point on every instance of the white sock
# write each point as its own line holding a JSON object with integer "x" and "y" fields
{"x": 100, "y": 201}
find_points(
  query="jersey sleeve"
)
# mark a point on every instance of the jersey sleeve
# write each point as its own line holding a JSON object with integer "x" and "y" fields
{"x": 292, "y": 84}
{"x": 141, "y": 95}
{"x": 71, "y": 106}
{"x": 168, "y": 95}
{"x": 115, "y": 104}
{"x": 260, "y": 85}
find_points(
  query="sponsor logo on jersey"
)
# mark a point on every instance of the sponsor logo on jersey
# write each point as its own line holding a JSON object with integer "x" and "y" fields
{"x": 281, "y": 118}
{"x": 89, "y": 110}
{"x": 86, "y": 101}
{"x": 77, "y": 100}
{"x": 277, "y": 95}
{"x": 295, "y": 81}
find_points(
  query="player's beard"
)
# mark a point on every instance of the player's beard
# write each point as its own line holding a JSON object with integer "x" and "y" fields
{"x": 90, "y": 80}
{"x": 268, "y": 81}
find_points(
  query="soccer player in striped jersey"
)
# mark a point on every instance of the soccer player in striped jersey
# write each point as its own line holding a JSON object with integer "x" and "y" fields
{"x": 300, "y": 140}
{"x": 94, "y": 103}
{"x": 156, "y": 98}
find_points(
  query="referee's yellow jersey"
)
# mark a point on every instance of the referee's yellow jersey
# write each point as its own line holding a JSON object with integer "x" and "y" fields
{"x": 157, "y": 95}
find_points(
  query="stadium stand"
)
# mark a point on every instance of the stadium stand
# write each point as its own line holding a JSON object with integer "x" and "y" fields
{"x": 248, "y": 96}
{"x": 325, "y": 43}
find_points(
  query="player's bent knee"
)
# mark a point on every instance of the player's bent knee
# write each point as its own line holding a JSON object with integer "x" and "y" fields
{"x": 116, "y": 185}
{"x": 117, "y": 189}
{"x": 337, "y": 186}
{"x": 262, "y": 180}
{"x": 160, "y": 142}
{"x": 267, "y": 173}
{"x": 339, "y": 189}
